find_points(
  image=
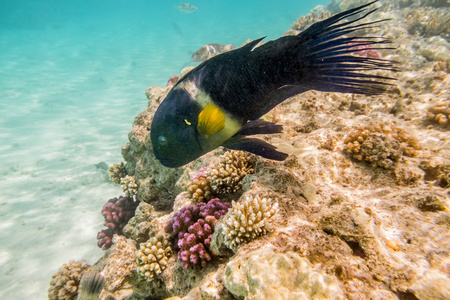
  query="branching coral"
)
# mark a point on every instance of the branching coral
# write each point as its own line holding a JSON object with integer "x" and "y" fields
{"x": 65, "y": 283}
{"x": 226, "y": 176}
{"x": 249, "y": 219}
{"x": 117, "y": 172}
{"x": 117, "y": 213}
{"x": 152, "y": 257}
{"x": 381, "y": 145}
{"x": 129, "y": 186}
{"x": 199, "y": 188}
{"x": 193, "y": 228}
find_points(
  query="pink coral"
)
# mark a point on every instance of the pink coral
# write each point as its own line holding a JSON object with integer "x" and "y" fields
{"x": 364, "y": 49}
{"x": 193, "y": 228}
{"x": 172, "y": 80}
{"x": 117, "y": 213}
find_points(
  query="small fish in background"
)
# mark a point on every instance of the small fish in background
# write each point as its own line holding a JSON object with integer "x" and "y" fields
{"x": 91, "y": 286}
{"x": 186, "y": 7}
{"x": 211, "y": 50}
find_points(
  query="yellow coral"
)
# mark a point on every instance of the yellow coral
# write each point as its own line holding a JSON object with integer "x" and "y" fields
{"x": 248, "y": 220}
{"x": 129, "y": 185}
{"x": 226, "y": 176}
{"x": 153, "y": 257}
{"x": 117, "y": 172}
{"x": 65, "y": 283}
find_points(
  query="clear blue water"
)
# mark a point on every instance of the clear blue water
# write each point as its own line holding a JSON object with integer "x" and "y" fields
{"x": 72, "y": 78}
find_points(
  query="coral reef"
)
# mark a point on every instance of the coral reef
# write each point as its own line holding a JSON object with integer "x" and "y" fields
{"x": 193, "y": 228}
{"x": 153, "y": 257}
{"x": 65, "y": 283}
{"x": 129, "y": 186}
{"x": 117, "y": 213}
{"x": 117, "y": 172}
{"x": 248, "y": 219}
{"x": 226, "y": 176}
{"x": 381, "y": 145}
{"x": 343, "y": 230}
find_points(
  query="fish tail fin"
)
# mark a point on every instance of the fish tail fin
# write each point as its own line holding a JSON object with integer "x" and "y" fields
{"x": 325, "y": 58}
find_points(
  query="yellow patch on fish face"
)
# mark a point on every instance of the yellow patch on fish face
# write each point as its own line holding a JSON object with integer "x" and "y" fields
{"x": 210, "y": 120}
{"x": 187, "y": 122}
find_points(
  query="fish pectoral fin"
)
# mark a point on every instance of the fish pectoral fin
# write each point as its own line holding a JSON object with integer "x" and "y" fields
{"x": 259, "y": 126}
{"x": 255, "y": 146}
{"x": 210, "y": 120}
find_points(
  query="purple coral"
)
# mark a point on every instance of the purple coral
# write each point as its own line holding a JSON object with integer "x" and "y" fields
{"x": 117, "y": 213}
{"x": 193, "y": 228}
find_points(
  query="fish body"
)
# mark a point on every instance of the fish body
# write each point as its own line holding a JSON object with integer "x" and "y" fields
{"x": 219, "y": 103}
{"x": 186, "y": 7}
{"x": 208, "y": 51}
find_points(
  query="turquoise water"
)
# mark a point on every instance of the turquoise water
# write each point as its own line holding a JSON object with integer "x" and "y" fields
{"x": 72, "y": 78}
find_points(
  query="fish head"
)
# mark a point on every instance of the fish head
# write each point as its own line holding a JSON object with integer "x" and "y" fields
{"x": 173, "y": 130}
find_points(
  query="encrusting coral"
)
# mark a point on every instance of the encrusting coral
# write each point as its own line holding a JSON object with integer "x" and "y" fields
{"x": 120, "y": 264}
{"x": 226, "y": 176}
{"x": 117, "y": 172}
{"x": 193, "y": 228}
{"x": 381, "y": 145}
{"x": 248, "y": 219}
{"x": 65, "y": 283}
{"x": 152, "y": 257}
{"x": 117, "y": 213}
{"x": 129, "y": 186}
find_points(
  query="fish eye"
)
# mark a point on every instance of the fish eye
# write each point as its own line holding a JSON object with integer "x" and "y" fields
{"x": 162, "y": 140}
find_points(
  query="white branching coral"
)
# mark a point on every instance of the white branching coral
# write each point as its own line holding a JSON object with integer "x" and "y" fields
{"x": 129, "y": 186}
{"x": 226, "y": 176}
{"x": 248, "y": 220}
{"x": 153, "y": 257}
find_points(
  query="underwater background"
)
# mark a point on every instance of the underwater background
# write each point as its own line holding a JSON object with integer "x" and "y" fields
{"x": 72, "y": 78}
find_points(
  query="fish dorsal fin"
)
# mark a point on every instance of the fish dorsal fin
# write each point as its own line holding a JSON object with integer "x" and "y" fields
{"x": 210, "y": 120}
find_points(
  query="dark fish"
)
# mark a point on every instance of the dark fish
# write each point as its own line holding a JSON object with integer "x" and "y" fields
{"x": 220, "y": 101}
{"x": 91, "y": 285}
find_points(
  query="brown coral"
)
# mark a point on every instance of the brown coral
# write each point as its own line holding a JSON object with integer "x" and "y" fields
{"x": 153, "y": 257}
{"x": 439, "y": 114}
{"x": 65, "y": 283}
{"x": 226, "y": 176}
{"x": 381, "y": 145}
{"x": 200, "y": 189}
{"x": 117, "y": 172}
{"x": 120, "y": 264}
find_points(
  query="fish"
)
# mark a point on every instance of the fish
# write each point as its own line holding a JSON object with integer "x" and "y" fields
{"x": 91, "y": 285}
{"x": 222, "y": 100}
{"x": 186, "y": 7}
{"x": 208, "y": 51}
